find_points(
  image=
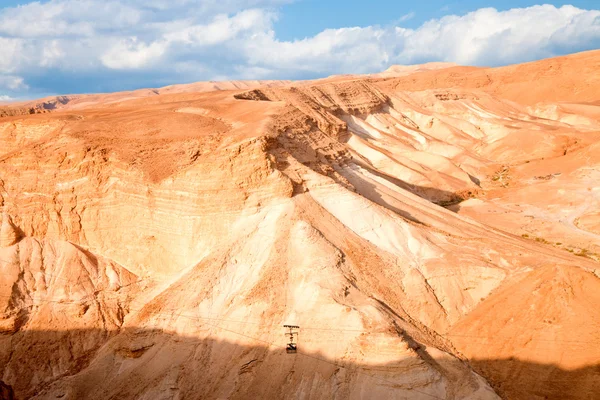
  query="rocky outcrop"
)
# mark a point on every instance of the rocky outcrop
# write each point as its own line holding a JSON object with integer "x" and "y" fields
{"x": 9, "y": 233}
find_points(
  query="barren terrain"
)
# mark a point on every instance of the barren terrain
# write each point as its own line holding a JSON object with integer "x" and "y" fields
{"x": 434, "y": 231}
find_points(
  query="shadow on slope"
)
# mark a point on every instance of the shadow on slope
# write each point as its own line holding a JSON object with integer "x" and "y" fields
{"x": 434, "y": 195}
{"x": 517, "y": 379}
{"x": 149, "y": 363}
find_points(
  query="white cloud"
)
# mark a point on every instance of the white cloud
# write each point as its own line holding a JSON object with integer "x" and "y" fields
{"x": 223, "y": 28}
{"x": 407, "y": 17}
{"x": 60, "y": 18}
{"x": 52, "y": 53}
{"x": 11, "y": 54}
{"x": 152, "y": 41}
{"x": 488, "y": 36}
{"x": 339, "y": 50}
{"x": 4, "y": 97}
{"x": 483, "y": 37}
{"x": 131, "y": 54}
{"x": 12, "y": 82}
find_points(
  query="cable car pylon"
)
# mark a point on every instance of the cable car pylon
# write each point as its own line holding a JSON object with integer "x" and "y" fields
{"x": 292, "y": 346}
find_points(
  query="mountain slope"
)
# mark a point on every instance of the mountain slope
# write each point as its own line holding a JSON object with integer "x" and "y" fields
{"x": 191, "y": 227}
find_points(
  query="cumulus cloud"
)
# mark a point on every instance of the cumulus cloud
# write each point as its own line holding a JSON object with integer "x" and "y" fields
{"x": 333, "y": 50}
{"x": 153, "y": 42}
{"x": 482, "y": 37}
{"x": 223, "y": 28}
{"x": 131, "y": 54}
{"x": 492, "y": 37}
{"x": 63, "y": 18}
{"x": 12, "y": 82}
{"x": 11, "y": 54}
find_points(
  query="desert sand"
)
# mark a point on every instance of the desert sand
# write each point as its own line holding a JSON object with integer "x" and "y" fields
{"x": 434, "y": 231}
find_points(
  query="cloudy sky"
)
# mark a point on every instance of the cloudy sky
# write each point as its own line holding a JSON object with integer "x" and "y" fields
{"x": 81, "y": 46}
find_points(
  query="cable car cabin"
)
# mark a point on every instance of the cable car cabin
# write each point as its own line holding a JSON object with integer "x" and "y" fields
{"x": 291, "y": 348}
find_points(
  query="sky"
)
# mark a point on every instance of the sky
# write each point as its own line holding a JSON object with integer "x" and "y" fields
{"x": 84, "y": 46}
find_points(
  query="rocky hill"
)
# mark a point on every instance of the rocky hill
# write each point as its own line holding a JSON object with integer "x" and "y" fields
{"x": 432, "y": 237}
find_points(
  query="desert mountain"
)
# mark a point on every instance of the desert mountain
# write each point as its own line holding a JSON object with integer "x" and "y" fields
{"x": 434, "y": 232}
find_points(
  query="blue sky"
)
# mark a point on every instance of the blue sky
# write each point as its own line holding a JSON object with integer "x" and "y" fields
{"x": 83, "y": 46}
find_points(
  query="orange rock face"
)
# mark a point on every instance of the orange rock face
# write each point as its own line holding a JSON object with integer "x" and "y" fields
{"x": 433, "y": 230}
